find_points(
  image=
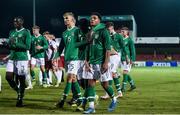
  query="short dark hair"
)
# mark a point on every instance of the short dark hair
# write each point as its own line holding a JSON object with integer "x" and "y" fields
{"x": 46, "y": 33}
{"x": 108, "y": 24}
{"x": 125, "y": 28}
{"x": 35, "y": 27}
{"x": 97, "y": 14}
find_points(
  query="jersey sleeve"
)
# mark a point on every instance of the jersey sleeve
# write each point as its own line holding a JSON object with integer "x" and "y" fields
{"x": 61, "y": 46}
{"x": 45, "y": 46}
{"x": 80, "y": 42}
{"x": 107, "y": 39}
{"x": 122, "y": 45}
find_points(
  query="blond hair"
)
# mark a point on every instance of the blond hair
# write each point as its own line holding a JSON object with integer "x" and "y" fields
{"x": 70, "y": 14}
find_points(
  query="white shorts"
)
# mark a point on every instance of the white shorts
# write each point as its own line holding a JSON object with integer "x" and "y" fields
{"x": 125, "y": 66}
{"x": 21, "y": 67}
{"x": 10, "y": 66}
{"x": 95, "y": 73}
{"x": 72, "y": 67}
{"x": 114, "y": 61}
{"x": 39, "y": 61}
{"x": 80, "y": 69}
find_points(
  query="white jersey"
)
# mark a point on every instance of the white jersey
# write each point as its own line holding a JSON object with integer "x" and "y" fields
{"x": 52, "y": 49}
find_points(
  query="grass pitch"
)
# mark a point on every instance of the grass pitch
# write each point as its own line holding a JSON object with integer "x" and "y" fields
{"x": 158, "y": 92}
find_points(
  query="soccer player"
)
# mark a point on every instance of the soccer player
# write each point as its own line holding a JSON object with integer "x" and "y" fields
{"x": 130, "y": 49}
{"x": 51, "y": 62}
{"x": 98, "y": 58}
{"x": 71, "y": 56}
{"x": 81, "y": 44}
{"x": 39, "y": 45}
{"x": 19, "y": 43}
{"x": 117, "y": 45}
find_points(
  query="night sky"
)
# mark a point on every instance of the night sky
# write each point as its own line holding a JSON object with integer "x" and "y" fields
{"x": 153, "y": 17}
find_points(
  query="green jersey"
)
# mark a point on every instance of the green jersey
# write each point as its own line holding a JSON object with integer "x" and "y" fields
{"x": 19, "y": 43}
{"x": 82, "y": 42}
{"x": 117, "y": 42}
{"x": 11, "y": 55}
{"x": 38, "y": 41}
{"x": 70, "y": 37}
{"x": 130, "y": 49}
{"x": 100, "y": 44}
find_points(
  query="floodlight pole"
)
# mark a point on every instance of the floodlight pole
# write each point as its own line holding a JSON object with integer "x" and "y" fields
{"x": 34, "y": 12}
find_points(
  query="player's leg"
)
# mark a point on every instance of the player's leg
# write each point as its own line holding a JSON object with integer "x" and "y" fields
{"x": 40, "y": 78}
{"x": 91, "y": 75}
{"x": 21, "y": 69}
{"x": 72, "y": 72}
{"x": 57, "y": 72}
{"x": 117, "y": 84}
{"x": 75, "y": 85}
{"x": 114, "y": 70}
{"x": 130, "y": 80}
{"x": 90, "y": 94}
{"x": 28, "y": 79}
{"x": 32, "y": 66}
{"x": 44, "y": 74}
{"x": 73, "y": 101}
{"x": 104, "y": 78}
{"x": 10, "y": 75}
{"x": 61, "y": 67}
{"x": 125, "y": 75}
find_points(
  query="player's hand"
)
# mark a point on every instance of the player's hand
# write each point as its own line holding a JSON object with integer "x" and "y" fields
{"x": 4, "y": 59}
{"x": 104, "y": 67}
{"x": 39, "y": 47}
{"x": 113, "y": 52}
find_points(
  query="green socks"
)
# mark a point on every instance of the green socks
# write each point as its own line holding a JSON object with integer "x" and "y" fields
{"x": 66, "y": 90}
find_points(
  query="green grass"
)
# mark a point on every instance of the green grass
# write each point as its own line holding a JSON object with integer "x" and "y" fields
{"x": 158, "y": 92}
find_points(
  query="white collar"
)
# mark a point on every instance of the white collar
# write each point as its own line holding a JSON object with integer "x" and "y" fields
{"x": 37, "y": 36}
{"x": 70, "y": 28}
{"x": 19, "y": 30}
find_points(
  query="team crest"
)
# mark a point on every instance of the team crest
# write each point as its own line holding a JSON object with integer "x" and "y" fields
{"x": 20, "y": 35}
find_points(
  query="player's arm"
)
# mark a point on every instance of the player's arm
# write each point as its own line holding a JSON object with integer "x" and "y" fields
{"x": 27, "y": 44}
{"x": 107, "y": 44}
{"x": 61, "y": 46}
{"x": 132, "y": 50}
{"x": 6, "y": 58}
{"x": 54, "y": 49}
{"x": 82, "y": 43}
{"x": 11, "y": 42}
{"x": 79, "y": 35}
{"x": 45, "y": 46}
